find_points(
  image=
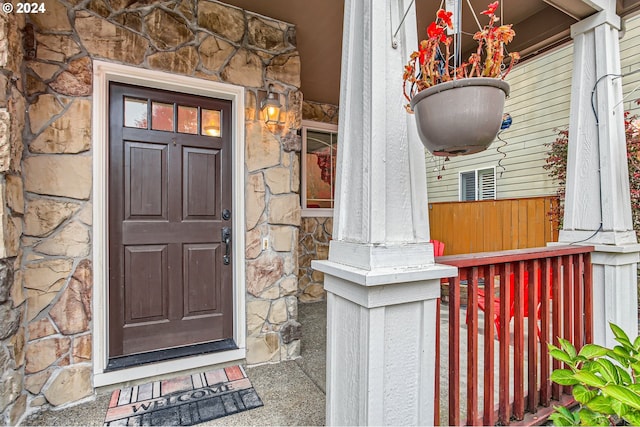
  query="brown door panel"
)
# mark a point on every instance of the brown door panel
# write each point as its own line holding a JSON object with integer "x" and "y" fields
{"x": 145, "y": 265}
{"x": 145, "y": 178}
{"x": 201, "y": 177}
{"x": 150, "y": 232}
{"x": 163, "y": 335}
{"x": 166, "y": 138}
{"x": 202, "y": 269}
{"x": 168, "y": 285}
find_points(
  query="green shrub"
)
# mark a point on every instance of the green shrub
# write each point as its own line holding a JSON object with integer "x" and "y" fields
{"x": 605, "y": 382}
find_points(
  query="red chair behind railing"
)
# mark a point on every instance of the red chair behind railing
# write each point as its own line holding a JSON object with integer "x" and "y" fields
{"x": 497, "y": 318}
{"x": 438, "y": 247}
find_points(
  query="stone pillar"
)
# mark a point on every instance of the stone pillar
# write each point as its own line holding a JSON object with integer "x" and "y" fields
{"x": 13, "y": 398}
{"x": 381, "y": 279}
{"x": 597, "y": 203}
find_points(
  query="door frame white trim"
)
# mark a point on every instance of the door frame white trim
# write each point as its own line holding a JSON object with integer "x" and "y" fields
{"x": 103, "y": 73}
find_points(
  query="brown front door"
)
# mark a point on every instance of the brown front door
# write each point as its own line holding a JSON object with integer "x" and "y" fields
{"x": 170, "y": 270}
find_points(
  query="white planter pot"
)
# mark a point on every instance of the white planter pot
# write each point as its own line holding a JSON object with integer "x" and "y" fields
{"x": 460, "y": 116}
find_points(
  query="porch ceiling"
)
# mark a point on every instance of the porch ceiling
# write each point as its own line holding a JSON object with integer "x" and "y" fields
{"x": 539, "y": 25}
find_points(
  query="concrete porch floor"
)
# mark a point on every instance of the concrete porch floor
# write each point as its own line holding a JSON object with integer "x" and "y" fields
{"x": 293, "y": 392}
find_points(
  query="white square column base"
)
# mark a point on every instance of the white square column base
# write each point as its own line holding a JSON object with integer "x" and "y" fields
{"x": 381, "y": 330}
{"x": 615, "y": 291}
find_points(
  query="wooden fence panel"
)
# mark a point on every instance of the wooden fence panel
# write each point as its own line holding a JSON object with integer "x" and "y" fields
{"x": 493, "y": 225}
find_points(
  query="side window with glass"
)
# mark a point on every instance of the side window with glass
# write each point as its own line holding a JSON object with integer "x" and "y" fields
{"x": 319, "y": 151}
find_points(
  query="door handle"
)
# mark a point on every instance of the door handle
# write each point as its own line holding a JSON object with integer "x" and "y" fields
{"x": 226, "y": 239}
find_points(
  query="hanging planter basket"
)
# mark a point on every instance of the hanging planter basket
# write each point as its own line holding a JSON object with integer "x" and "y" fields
{"x": 460, "y": 117}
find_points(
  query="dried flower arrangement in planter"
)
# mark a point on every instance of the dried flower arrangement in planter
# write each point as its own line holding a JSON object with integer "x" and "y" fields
{"x": 459, "y": 108}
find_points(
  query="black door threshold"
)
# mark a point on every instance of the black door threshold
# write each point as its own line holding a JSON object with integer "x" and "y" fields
{"x": 169, "y": 354}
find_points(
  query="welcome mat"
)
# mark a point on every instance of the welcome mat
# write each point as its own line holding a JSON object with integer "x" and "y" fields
{"x": 183, "y": 401}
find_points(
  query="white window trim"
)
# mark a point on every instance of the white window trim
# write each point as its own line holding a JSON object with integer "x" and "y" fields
{"x": 103, "y": 73}
{"x": 476, "y": 190}
{"x": 311, "y": 212}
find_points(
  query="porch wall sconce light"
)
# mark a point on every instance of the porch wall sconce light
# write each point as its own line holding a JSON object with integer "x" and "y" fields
{"x": 270, "y": 107}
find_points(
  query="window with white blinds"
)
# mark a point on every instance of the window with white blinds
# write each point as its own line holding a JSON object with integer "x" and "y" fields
{"x": 479, "y": 184}
{"x": 468, "y": 186}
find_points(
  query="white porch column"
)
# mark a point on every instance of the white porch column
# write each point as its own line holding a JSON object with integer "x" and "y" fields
{"x": 597, "y": 204}
{"x": 381, "y": 279}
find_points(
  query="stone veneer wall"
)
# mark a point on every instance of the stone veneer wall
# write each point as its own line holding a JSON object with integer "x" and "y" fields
{"x": 315, "y": 232}
{"x": 204, "y": 39}
{"x": 13, "y": 398}
{"x": 318, "y": 112}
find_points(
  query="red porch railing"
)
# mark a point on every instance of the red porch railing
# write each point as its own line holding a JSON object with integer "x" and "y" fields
{"x": 534, "y": 295}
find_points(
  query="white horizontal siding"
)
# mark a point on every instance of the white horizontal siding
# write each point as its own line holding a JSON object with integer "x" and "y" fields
{"x": 630, "y": 61}
{"x": 539, "y": 106}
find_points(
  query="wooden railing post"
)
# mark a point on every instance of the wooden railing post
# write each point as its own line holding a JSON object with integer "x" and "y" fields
{"x": 518, "y": 342}
{"x": 578, "y": 300}
{"x": 545, "y": 383}
{"x": 454, "y": 352}
{"x": 436, "y": 376}
{"x": 472, "y": 346}
{"x": 533, "y": 334}
{"x": 489, "y": 418}
{"x": 588, "y": 298}
{"x": 556, "y": 318}
{"x": 504, "y": 413}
